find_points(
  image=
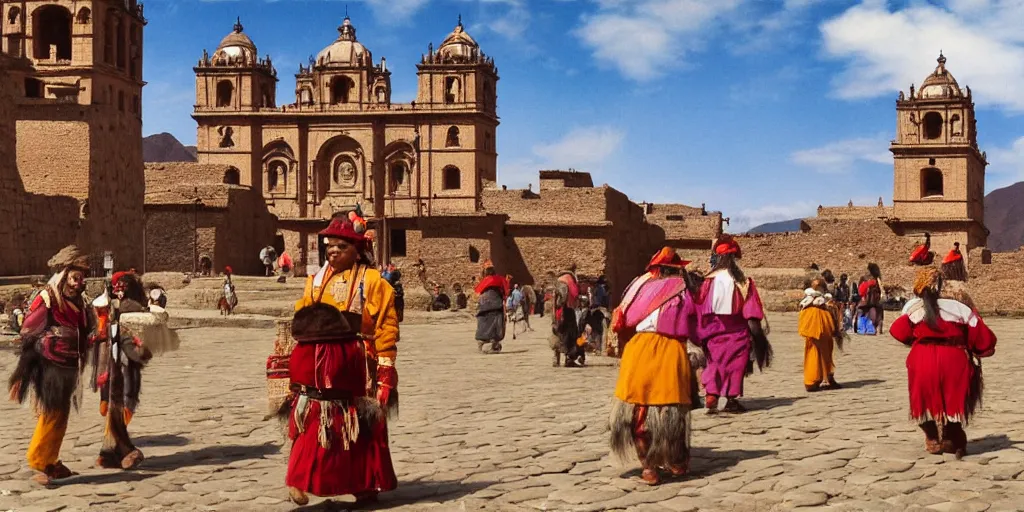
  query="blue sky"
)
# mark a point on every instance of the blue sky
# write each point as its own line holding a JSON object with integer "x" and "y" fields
{"x": 762, "y": 109}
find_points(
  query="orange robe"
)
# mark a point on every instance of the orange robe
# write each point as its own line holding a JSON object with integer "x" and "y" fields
{"x": 817, "y": 325}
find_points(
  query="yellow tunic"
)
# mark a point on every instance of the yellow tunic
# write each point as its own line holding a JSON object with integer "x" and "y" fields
{"x": 655, "y": 370}
{"x": 817, "y": 326}
{"x": 376, "y": 303}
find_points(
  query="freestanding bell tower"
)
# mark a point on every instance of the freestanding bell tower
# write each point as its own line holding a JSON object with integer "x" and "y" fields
{"x": 939, "y": 171}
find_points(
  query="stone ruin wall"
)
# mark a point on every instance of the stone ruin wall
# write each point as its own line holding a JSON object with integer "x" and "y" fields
{"x": 98, "y": 162}
{"x": 34, "y": 226}
{"x": 778, "y": 261}
{"x": 232, "y": 227}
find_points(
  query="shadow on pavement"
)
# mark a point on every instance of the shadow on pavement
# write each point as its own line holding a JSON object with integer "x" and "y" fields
{"x": 209, "y": 456}
{"x": 160, "y": 440}
{"x": 705, "y": 462}
{"x": 406, "y": 494}
{"x": 764, "y": 404}
{"x": 857, "y": 384}
{"x": 106, "y": 478}
{"x": 991, "y": 443}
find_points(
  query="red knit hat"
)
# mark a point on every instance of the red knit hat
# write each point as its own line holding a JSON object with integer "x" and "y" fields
{"x": 115, "y": 280}
{"x": 667, "y": 257}
{"x": 726, "y": 244}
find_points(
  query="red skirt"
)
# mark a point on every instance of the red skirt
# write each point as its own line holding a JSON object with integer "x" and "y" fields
{"x": 939, "y": 380}
{"x": 364, "y": 467}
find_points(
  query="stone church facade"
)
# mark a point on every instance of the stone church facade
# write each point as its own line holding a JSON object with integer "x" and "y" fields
{"x": 343, "y": 141}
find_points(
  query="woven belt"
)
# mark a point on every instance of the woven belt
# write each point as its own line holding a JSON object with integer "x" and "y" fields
{"x": 321, "y": 394}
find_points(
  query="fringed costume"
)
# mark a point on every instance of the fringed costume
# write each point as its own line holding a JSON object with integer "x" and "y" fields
{"x": 947, "y": 340}
{"x": 726, "y": 315}
{"x": 343, "y": 377}
{"x": 819, "y": 326}
{"x": 565, "y": 329}
{"x": 126, "y": 332}
{"x": 490, "y": 315}
{"x": 54, "y": 344}
{"x": 655, "y": 391}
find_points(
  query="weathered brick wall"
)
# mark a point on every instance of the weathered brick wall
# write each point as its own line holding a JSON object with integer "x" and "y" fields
{"x": 854, "y": 212}
{"x": 34, "y": 226}
{"x": 233, "y": 221}
{"x": 448, "y": 247}
{"x": 565, "y": 206}
{"x": 847, "y": 246}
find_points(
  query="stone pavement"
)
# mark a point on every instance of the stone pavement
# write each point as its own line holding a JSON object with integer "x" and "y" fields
{"x": 508, "y": 432}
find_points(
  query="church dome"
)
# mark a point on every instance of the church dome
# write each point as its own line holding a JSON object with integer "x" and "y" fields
{"x": 346, "y": 50}
{"x": 459, "y": 45}
{"x": 940, "y": 84}
{"x": 236, "y": 47}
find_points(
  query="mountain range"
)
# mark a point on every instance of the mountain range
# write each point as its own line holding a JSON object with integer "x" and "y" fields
{"x": 164, "y": 147}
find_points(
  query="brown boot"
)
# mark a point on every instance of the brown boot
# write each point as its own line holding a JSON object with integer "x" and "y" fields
{"x": 931, "y": 437}
{"x": 832, "y": 384}
{"x": 954, "y": 440}
{"x": 558, "y": 358}
{"x": 813, "y": 387}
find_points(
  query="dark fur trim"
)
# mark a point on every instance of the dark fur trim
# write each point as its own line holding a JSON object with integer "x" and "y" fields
{"x": 667, "y": 426}
{"x": 976, "y": 390}
{"x": 320, "y": 320}
{"x": 762, "y": 348}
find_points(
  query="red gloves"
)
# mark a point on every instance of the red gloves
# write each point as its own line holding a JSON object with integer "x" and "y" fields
{"x": 387, "y": 380}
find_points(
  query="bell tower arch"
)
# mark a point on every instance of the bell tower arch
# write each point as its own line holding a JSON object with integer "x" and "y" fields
{"x": 939, "y": 172}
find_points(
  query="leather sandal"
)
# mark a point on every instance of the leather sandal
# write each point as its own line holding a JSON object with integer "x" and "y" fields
{"x": 298, "y": 496}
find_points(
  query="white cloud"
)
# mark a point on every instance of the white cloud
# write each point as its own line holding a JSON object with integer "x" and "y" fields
{"x": 885, "y": 51}
{"x": 396, "y": 11}
{"x": 642, "y": 39}
{"x": 843, "y": 155}
{"x": 583, "y": 148}
{"x": 1006, "y": 165}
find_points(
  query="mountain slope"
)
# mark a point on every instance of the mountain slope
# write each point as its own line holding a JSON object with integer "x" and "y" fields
{"x": 781, "y": 226}
{"x": 1004, "y": 217}
{"x": 163, "y": 147}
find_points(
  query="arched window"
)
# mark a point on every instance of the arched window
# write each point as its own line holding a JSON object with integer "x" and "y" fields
{"x": 452, "y": 178}
{"x": 84, "y": 16}
{"x": 52, "y": 27}
{"x": 13, "y": 15}
{"x": 341, "y": 87}
{"x": 474, "y": 254}
{"x": 452, "y": 140}
{"x": 398, "y": 172}
{"x": 224, "y": 92}
{"x": 931, "y": 182}
{"x": 306, "y": 96}
{"x": 932, "y": 125}
{"x": 232, "y": 176}
{"x": 451, "y": 90}
{"x": 382, "y": 95}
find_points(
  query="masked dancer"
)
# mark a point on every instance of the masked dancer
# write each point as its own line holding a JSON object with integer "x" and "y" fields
{"x": 54, "y": 342}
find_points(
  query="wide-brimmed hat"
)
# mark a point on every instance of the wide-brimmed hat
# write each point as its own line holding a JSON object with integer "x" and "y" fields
{"x": 667, "y": 257}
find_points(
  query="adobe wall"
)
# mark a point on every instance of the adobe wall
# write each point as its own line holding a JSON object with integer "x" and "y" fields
{"x": 233, "y": 221}
{"x": 34, "y": 226}
{"x": 98, "y": 162}
{"x": 559, "y": 206}
{"x": 848, "y": 245}
{"x": 453, "y": 249}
